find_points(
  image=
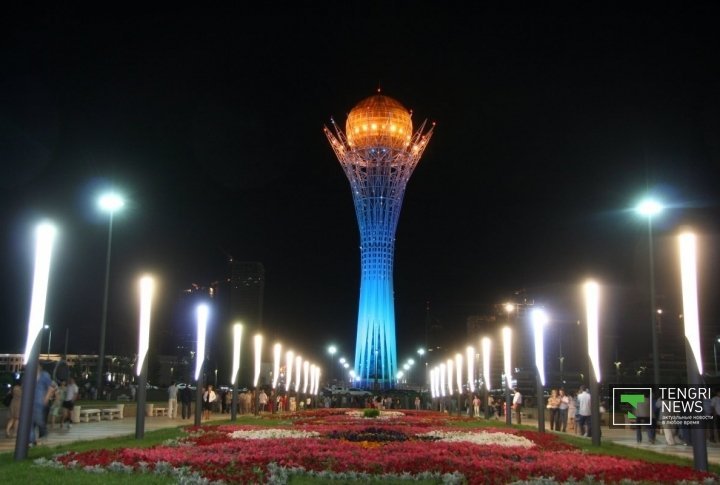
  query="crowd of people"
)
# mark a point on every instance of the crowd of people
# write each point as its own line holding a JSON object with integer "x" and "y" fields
{"x": 53, "y": 401}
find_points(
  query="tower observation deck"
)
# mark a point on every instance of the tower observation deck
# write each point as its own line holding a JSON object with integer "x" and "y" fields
{"x": 378, "y": 152}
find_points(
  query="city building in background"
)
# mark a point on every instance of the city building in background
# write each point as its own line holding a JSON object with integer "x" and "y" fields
{"x": 378, "y": 152}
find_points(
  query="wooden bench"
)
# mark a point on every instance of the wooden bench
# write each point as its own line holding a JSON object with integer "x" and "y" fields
{"x": 159, "y": 411}
{"x": 110, "y": 413}
{"x": 90, "y": 414}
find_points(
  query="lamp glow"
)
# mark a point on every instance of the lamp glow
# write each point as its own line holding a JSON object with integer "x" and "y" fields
{"x": 306, "y": 375}
{"x": 432, "y": 383}
{"x": 449, "y": 366}
{"x": 458, "y": 371}
{"x": 277, "y": 354}
{"x": 688, "y": 277}
{"x": 289, "y": 358}
{"x": 312, "y": 379}
{"x": 539, "y": 319}
{"x": 485, "y": 344}
{"x": 470, "y": 355}
{"x": 44, "y": 239}
{"x": 147, "y": 286}
{"x": 649, "y": 207}
{"x": 258, "y": 341}
{"x": 237, "y": 340}
{"x": 111, "y": 202}
{"x": 298, "y": 370}
{"x": 507, "y": 357}
{"x": 443, "y": 371}
{"x": 592, "y": 308}
{"x": 202, "y": 318}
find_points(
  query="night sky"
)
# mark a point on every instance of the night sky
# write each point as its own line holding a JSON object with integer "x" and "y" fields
{"x": 550, "y": 126}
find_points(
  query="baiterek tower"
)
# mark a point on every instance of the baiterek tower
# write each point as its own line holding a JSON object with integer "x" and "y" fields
{"x": 378, "y": 152}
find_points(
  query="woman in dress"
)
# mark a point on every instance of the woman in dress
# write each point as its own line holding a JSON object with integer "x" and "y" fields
{"x": 14, "y": 420}
{"x": 56, "y": 409}
{"x": 553, "y": 406}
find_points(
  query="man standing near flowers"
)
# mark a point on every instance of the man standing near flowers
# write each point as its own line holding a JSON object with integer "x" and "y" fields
{"x": 584, "y": 411}
{"x": 517, "y": 405}
{"x": 172, "y": 400}
{"x": 71, "y": 393}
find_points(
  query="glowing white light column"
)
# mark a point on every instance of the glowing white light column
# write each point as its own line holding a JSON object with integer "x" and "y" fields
{"x": 306, "y": 375}
{"x": 470, "y": 355}
{"x": 277, "y": 354}
{"x": 449, "y": 366}
{"x": 592, "y": 309}
{"x": 443, "y": 370}
{"x": 507, "y": 361}
{"x": 507, "y": 357}
{"x": 147, "y": 287}
{"x": 258, "y": 341}
{"x": 485, "y": 344}
{"x": 237, "y": 340}
{"x": 298, "y": 370}
{"x": 202, "y": 319}
{"x": 289, "y": 359}
{"x": 539, "y": 319}
{"x": 458, "y": 372}
{"x": 432, "y": 383}
{"x": 688, "y": 277}
{"x": 44, "y": 239}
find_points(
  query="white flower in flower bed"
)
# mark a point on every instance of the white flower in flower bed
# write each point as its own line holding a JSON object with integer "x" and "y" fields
{"x": 383, "y": 414}
{"x": 480, "y": 438}
{"x": 271, "y": 433}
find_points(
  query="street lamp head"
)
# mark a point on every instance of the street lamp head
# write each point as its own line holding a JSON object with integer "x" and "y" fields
{"x": 421, "y": 351}
{"x": 342, "y": 360}
{"x": 111, "y": 202}
{"x": 649, "y": 207}
{"x": 332, "y": 349}
{"x": 509, "y": 307}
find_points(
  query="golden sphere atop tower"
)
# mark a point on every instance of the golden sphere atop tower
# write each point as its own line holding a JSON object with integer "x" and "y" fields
{"x": 379, "y": 121}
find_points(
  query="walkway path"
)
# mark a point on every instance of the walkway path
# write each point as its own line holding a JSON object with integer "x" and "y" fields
{"x": 126, "y": 427}
{"x": 104, "y": 429}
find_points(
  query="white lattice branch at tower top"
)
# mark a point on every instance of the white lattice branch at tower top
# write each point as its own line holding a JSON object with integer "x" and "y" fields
{"x": 378, "y": 152}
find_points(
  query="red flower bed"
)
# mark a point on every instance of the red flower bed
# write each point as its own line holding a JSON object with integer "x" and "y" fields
{"x": 218, "y": 457}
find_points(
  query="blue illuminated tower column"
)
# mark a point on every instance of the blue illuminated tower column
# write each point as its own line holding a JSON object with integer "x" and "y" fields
{"x": 378, "y": 152}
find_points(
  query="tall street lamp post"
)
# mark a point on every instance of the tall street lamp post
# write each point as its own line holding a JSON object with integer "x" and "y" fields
{"x": 45, "y": 237}
{"x": 331, "y": 350}
{"x": 110, "y": 203}
{"x": 539, "y": 320}
{"x": 202, "y": 312}
{"x": 592, "y": 311}
{"x": 507, "y": 360}
{"x": 485, "y": 344}
{"x": 691, "y": 319}
{"x": 237, "y": 342}
{"x": 147, "y": 287}
{"x": 650, "y": 208}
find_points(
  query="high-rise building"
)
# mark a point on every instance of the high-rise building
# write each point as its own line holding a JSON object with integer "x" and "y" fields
{"x": 247, "y": 291}
{"x": 378, "y": 152}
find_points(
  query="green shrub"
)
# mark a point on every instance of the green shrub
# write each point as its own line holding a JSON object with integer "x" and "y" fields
{"x": 371, "y": 413}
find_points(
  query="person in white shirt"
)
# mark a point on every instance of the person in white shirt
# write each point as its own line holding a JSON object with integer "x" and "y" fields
{"x": 172, "y": 400}
{"x": 209, "y": 398}
{"x": 584, "y": 411}
{"x": 517, "y": 405}
{"x": 71, "y": 393}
